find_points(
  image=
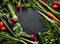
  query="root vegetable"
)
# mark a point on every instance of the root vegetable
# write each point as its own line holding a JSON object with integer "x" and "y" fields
{"x": 55, "y": 6}
{"x": 3, "y": 28}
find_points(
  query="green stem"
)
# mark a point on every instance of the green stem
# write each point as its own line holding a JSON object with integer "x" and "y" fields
{"x": 9, "y": 37}
{"x": 26, "y": 40}
{"x": 10, "y": 9}
{"x": 41, "y": 7}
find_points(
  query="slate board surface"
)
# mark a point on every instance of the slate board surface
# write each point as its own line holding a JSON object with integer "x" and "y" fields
{"x": 30, "y": 21}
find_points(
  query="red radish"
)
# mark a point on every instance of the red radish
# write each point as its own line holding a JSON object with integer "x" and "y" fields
{"x": 55, "y": 6}
{"x": 32, "y": 37}
{"x": 59, "y": 4}
{"x": 18, "y": 5}
{"x": 3, "y": 28}
{"x": 55, "y": 3}
{"x": 1, "y": 24}
{"x": 10, "y": 23}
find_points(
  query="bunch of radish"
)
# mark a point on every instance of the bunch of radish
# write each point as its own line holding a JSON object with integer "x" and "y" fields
{"x": 2, "y": 27}
{"x": 56, "y": 4}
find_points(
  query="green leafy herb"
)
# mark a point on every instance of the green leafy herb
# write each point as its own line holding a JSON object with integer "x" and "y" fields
{"x": 17, "y": 28}
{"x": 52, "y": 35}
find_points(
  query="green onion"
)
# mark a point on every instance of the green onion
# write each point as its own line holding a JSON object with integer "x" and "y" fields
{"x": 12, "y": 12}
{"x": 4, "y": 35}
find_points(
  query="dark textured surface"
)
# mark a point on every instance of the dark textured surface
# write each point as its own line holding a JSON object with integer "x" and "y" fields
{"x": 30, "y": 20}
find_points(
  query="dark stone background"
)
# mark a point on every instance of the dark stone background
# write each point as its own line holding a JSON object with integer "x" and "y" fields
{"x": 30, "y": 20}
